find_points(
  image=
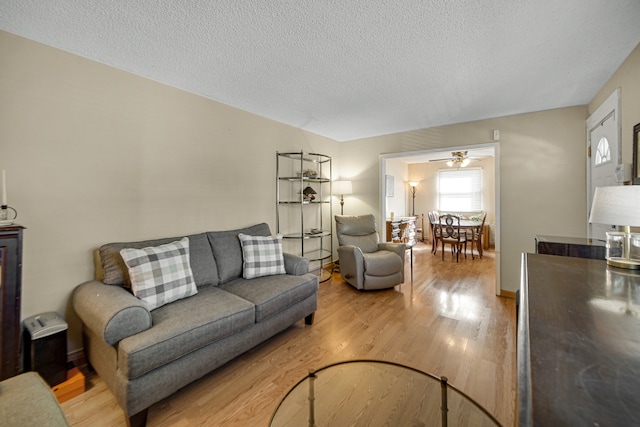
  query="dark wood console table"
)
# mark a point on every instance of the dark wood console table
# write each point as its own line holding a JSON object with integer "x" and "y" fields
{"x": 571, "y": 246}
{"x": 578, "y": 343}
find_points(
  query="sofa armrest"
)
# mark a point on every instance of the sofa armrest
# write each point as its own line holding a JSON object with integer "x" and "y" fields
{"x": 295, "y": 265}
{"x": 110, "y": 311}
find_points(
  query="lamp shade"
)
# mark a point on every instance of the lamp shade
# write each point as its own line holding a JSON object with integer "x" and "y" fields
{"x": 618, "y": 205}
{"x": 342, "y": 187}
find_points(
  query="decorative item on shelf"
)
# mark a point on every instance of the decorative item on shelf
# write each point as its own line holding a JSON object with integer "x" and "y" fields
{"x": 619, "y": 205}
{"x": 342, "y": 188}
{"x": 5, "y": 217}
{"x": 414, "y": 187}
{"x": 309, "y": 173}
{"x": 309, "y": 194}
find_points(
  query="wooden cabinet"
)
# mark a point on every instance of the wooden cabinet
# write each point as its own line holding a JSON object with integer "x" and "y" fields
{"x": 402, "y": 230}
{"x": 10, "y": 288}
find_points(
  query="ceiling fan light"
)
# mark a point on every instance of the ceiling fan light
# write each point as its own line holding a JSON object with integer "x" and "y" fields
{"x": 465, "y": 162}
{"x": 450, "y": 163}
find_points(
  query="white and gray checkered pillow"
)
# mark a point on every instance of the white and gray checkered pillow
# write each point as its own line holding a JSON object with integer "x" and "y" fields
{"x": 162, "y": 274}
{"x": 261, "y": 255}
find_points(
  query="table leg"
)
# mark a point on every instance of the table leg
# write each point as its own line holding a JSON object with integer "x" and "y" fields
{"x": 411, "y": 292}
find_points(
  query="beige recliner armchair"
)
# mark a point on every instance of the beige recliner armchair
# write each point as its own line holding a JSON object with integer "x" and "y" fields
{"x": 365, "y": 263}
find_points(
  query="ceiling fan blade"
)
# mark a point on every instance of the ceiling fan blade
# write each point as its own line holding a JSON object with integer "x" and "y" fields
{"x": 441, "y": 160}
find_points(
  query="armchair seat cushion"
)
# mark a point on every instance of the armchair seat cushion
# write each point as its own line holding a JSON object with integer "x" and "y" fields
{"x": 381, "y": 263}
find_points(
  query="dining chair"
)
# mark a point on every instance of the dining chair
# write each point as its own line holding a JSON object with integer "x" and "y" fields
{"x": 433, "y": 220}
{"x": 448, "y": 231}
{"x": 420, "y": 227}
{"x": 477, "y": 236}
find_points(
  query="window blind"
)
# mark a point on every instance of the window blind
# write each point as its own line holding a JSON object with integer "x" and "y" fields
{"x": 460, "y": 190}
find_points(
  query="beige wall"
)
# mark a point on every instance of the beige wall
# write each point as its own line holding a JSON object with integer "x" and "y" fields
{"x": 96, "y": 155}
{"x": 542, "y": 174}
{"x": 398, "y": 203}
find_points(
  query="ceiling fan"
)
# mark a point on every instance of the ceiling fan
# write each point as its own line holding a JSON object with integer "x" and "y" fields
{"x": 458, "y": 159}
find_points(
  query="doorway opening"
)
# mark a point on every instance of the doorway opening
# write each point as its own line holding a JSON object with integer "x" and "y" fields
{"x": 415, "y": 166}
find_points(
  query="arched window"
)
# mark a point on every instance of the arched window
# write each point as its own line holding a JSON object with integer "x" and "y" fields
{"x": 603, "y": 152}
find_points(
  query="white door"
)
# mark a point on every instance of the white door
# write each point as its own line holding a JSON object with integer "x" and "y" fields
{"x": 603, "y": 130}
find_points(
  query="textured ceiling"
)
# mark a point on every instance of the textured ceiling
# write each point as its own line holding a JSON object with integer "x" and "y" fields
{"x": 351, "y": 69}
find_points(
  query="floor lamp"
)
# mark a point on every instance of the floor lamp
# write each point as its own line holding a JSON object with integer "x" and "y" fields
{"x": 342, "y": 188}
{"x": 414, "y": 186}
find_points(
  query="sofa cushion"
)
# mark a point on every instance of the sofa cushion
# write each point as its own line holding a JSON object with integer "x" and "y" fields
{"x": 204, "y": 268}
{"x": 261, "y": 255}
{"x": 182, "y": 327}
{"x": 160, "y": 274}
{"x": 227, "y": 251}
{"x": 272, "y": 294}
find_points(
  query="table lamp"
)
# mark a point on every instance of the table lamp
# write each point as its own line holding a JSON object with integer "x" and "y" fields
{"x": 342, "y": 188}
{"x": 619, "y": 205}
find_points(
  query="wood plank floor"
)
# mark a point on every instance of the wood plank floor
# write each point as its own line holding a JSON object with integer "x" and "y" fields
{"x": 449, "y": 323}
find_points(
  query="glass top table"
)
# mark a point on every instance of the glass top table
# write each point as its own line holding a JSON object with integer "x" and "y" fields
{"x": 376, "y": 393}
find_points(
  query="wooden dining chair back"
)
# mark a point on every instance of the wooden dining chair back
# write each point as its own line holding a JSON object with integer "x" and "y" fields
{"x": 433, "y": 220}
{"x": 448, "y": 231}
{"x": 477, "y": 236}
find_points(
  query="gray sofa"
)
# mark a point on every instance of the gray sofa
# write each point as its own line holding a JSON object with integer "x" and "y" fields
{"x": 144, "y": 356}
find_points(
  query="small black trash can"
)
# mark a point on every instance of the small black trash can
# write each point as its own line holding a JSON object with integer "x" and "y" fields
{"x": 45, "y": 347}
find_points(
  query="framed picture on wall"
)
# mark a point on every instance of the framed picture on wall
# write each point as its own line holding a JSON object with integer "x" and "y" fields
{"x": 388, "y": 184}
{"x": 635, "y": 170}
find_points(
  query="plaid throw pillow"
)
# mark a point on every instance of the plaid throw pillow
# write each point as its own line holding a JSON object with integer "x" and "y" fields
{"x": 161, "y": 274}
{"x": 261, "y": 255}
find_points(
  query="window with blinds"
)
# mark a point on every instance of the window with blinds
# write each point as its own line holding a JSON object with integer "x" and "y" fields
{"x": 460, "y": 190}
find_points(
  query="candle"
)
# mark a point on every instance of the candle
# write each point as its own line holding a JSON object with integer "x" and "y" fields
{"x": 4, "y": 188}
